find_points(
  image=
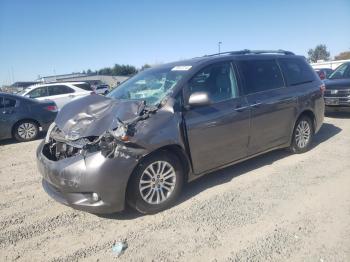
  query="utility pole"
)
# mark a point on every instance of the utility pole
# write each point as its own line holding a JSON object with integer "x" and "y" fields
{"x": 219, "y": 47}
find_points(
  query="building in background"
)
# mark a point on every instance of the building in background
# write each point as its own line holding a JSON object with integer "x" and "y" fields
{"x": 94, "y": 80}
{"x": 17, "y": 86}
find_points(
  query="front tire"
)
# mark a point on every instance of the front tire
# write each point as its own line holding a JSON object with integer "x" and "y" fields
{"x": 156, "y": 183}
{"x": 26, "y": 130}
{"x": 302, "y": 135}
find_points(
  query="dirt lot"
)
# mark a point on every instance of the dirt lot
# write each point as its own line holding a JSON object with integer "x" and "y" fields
{"x": 276, "y": 207}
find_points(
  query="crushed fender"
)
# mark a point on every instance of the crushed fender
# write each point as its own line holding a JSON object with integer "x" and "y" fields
{"x": 96, "y": 123}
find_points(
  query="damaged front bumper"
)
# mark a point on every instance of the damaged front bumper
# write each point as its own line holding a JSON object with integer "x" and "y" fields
{"x": 90, "y": 182}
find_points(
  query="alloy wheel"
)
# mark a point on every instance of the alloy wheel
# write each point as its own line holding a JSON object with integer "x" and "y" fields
{"x": 302, "y": 134}
{"x": 157, "y": 182}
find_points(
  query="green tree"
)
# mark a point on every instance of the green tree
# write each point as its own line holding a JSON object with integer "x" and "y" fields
{"x": 123, "y": 70}
{"x": 343, "y": 56}
{"x": 89, "y": 72}
{"x": 145, "y": 66}
{"x": 320, "y": 52}
{"x": 105, "y": 71}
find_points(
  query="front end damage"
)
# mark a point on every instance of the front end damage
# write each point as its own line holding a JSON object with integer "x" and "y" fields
{"x": 88, "y": 154}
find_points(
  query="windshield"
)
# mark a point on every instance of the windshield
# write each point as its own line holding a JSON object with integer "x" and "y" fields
{"x": 343, "y": 71}
{"x": 151, "y": 85}
{"x": 22, "y": 92}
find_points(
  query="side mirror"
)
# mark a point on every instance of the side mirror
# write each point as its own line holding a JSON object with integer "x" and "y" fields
{"x": 27, "y": 96}
{"x": 199, "y": 99}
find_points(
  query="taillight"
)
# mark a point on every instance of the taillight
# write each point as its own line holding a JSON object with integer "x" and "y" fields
{"x": 322, "y": 88}
{"x": 52, "y": 108}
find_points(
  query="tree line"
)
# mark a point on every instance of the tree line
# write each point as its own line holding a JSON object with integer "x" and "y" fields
{"x": 117, "y": 70}
{"x": 320, "y": 52}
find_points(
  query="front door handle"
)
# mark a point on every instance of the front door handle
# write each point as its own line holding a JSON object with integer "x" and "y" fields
{"x": 71, "y": 96}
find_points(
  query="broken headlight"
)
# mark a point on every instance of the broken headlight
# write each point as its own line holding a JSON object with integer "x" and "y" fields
{"x": 107, "y": 145}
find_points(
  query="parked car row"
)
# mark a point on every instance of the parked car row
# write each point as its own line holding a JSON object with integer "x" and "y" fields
{"x": 32, "y": 110}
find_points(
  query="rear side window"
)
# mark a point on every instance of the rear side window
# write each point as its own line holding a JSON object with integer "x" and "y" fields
{"x": 260, "y": 75}
{"x": 296, "y": 71}
{"x": 7, "y": 102}
{"x": 85, "y": 86}
{"x": 59, "y": 90}
{"x": 38, "y": 92}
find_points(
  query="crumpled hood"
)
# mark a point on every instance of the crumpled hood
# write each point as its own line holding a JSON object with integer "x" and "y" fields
{"x": 337, "y": 84}
{"x": 94, "y": 114}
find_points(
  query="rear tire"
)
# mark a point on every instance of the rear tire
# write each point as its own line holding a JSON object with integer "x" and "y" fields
{"x": 26, "y": 130}
{"x": 156, "y": 183}
{"x": 302, "y": 135}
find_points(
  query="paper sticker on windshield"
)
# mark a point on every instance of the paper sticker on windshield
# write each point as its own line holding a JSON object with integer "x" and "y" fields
{"x": 181, "y": 68}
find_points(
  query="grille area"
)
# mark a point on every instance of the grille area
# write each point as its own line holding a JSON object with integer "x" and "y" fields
{"x": 337, "y": 93}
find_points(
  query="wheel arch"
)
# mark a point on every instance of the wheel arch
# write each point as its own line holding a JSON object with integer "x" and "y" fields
{"x": 309, "y": 113}
{"x": 172, "y": 149}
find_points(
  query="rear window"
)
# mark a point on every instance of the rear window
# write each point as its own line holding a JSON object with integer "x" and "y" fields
{"x": 85, "y": 86}
{"x": 260, "y": 75}
{"x": 296, "y": 71}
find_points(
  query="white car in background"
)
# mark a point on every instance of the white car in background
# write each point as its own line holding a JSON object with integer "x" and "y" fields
{"x": 61, "y": 93}
{"x": 102, "y": 89}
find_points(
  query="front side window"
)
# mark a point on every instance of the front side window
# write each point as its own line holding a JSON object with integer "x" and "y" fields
{"x": 260, "y": 75}
{"x": 150, "y": 85}
{"x": 38, "y": 92}
{"x": 218, "y": 80}
{"x": 296, "y": 71}
{"x": 343, "y": 71}
{"x": 59, "y": 90}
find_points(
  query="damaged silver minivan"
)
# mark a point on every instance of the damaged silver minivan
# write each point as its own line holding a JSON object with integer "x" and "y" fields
{"x": 175, "y": 122}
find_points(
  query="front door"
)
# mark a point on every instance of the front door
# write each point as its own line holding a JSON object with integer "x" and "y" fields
{"x": 217, "y": 133}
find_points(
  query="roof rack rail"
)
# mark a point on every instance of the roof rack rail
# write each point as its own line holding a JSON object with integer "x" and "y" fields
{"x": 279, "y": 51}
{"x": 247, "y": 51}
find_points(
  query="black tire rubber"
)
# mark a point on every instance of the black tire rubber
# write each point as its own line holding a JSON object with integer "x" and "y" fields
{"x": 133, "y": 196}
{"x": 18, "y": 137}
{"x": 294, "y": 148}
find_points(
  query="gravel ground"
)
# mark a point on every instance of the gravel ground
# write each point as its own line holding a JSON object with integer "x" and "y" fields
{"x": 276, "y": 207}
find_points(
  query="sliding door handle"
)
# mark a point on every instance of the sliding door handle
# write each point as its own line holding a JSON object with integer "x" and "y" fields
{"x": 256, "y": 104}
{"x": 240, "y": 108}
